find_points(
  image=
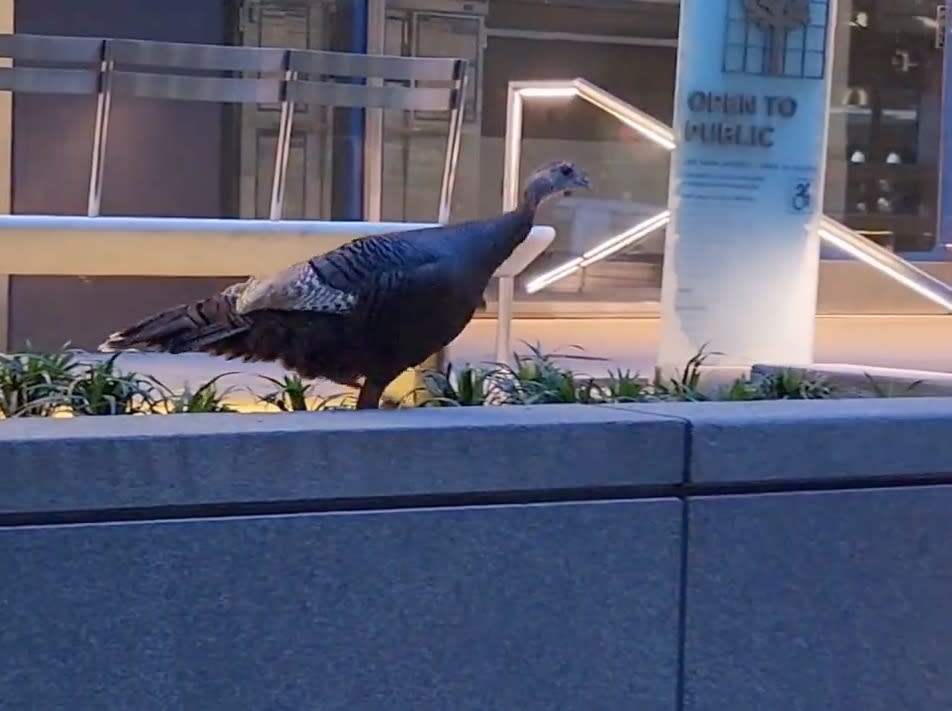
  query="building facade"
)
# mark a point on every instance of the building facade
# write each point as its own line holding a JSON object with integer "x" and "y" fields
{"x": 886, "y": 154}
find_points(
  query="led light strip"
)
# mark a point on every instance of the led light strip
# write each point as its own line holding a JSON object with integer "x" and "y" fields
{"x": 629, "y": 237}
{"x": 886, "y": 262}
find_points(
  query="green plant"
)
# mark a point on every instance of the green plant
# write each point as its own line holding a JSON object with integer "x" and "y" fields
{"x": 345, "y": 401}
{"x": 625, "y": 386}
{"x": 468, "y": 387}
{"x": 291, "y": 394}
{"x": 36, "y": 384}
{"x": 742, "y": 389}
{"x": 880, "y": 390}
{"x": 685, "y": 385}
{"x": 536, "y": 379}
{"x": 101, "y": 389}
{"x": 789, "y": 384}
{"x": 32, "y": 384}
{"x": 206, "y": 398}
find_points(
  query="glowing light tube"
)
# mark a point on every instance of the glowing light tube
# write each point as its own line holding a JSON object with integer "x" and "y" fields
{"x": 628, "y": 238}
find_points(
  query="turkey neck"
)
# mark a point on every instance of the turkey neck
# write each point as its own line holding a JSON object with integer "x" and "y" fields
{"x": 477, "y": 249}
{"x": 517, "y": 225}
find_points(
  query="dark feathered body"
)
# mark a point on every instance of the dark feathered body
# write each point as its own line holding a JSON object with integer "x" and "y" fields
{"x": 401, "y": 315}
{"x": 363, "y": 313}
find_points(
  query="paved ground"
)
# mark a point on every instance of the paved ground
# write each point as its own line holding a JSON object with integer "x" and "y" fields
{"x": 920, "y": 342}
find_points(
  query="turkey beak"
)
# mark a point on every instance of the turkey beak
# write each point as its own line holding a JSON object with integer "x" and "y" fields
{"x": 583, "y": 182}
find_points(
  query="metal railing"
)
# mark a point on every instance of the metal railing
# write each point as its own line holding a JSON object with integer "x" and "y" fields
{"x": 115, "y": 67}
{"x": 63, "y": 245}
{"x": 110, "y": 67}
{"x": 831, "y": 231}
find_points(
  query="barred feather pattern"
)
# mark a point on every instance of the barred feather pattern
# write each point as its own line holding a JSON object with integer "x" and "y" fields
{"x": 361, "y": 265}
{"x": 300, "y": 341}
{"x": 295, "y": 289}
{"x": 188, "y": 327}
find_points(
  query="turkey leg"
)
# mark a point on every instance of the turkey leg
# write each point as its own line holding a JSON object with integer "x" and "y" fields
{"x": 370, "y": 393}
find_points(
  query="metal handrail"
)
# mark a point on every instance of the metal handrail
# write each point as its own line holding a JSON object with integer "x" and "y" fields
{"x": 167, "y": 246}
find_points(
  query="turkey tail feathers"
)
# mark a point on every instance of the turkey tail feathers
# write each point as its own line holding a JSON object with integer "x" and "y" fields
{"x": 187, "y": 328}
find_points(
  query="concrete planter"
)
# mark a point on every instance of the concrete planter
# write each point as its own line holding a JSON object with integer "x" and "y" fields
{"x": 765, "y": 555}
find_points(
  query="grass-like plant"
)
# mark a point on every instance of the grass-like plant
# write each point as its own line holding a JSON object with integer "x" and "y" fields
{"x": 468, "y": 386}
{"x": 99, "y": 388}
{"x": 293, "y": 394}
{"x": 36, "y": 384}
{"x": 537, "y": 378}
{"x": 887, "y": 390}
{"x": 788, "y": 384}
{"x": 206, "y": 398}
{"x": 685, "y": 384}
{"x": 625, "y": 386}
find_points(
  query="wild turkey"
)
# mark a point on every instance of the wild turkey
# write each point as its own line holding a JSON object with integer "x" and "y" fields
{"x": 363, "y": 313}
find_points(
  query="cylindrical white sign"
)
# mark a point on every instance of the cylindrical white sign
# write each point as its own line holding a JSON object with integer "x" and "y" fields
{"x": 746, "y": 189}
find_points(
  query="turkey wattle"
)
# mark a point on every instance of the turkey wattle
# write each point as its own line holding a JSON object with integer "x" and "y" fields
{"x": 363, "y": 313}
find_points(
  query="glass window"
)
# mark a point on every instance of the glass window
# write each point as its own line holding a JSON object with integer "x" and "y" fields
{"x": 884, "y": 157}
{"x": 628, "y": 48}
{"x": 300, "y": 25}
{"x": 884, "y": 142}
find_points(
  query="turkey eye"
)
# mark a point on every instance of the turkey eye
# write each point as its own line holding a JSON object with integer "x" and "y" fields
{"x": 566, "y": 170}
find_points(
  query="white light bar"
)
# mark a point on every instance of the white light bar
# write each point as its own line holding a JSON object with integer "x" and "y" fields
{"x": 547, "y": 92}
{"x": 831, "y": 231}
{"x": 647, "y": 125}
{"x": 886, "y": 262}
{"x": 629, "y": 237}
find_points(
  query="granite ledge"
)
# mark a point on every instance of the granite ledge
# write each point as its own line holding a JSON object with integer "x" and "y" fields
{"x": 813, "y": 440}
{"x": 88, "y": 464}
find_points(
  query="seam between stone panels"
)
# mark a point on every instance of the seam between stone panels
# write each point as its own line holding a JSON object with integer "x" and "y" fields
{"x": 653, "y": 413}
{"x": 684, "y": 546}
{"x": 688, "y": 434}
{"x": 681, "y": 668}
{"x": 371, "y": 504}
{"x": 681, "y": 678}
{"x": 688, "y": 455}
{"x": 284, "y": 507}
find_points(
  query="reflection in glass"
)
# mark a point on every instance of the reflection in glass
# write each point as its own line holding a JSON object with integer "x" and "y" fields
{"x": 883, "y": 165}
{"x": 300, "y": 25}
{"x": 629, "y": 48}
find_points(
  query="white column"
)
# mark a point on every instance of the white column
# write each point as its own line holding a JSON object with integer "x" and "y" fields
{"x": 746, "y": 188}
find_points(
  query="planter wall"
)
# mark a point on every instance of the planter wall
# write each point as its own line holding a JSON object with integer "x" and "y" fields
{"x": 770, "y": 555}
